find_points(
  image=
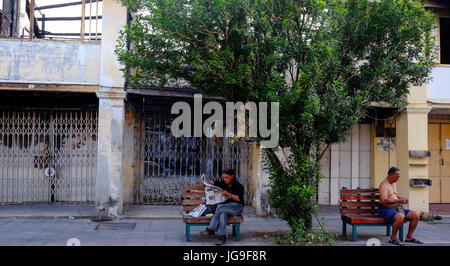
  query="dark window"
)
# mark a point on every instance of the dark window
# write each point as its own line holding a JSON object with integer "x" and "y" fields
{"x": 445, "y": 40}
{"x": 379, "y": 129}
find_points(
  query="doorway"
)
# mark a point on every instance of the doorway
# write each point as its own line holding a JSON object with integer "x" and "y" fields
{"x": 439, "y": 162}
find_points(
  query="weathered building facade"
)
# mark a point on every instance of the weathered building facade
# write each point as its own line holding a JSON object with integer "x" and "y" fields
{"x": 71, "y": 131}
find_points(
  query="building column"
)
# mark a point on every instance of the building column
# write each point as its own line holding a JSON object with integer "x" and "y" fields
{"x": 412, "y": 135}
{"x": 260, "y": 182}
{"x": 108, "y": 185}
{"x": 109, "y": 194}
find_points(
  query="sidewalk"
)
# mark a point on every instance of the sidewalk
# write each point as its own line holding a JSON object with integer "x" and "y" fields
{"x": 149, "y": 232}
{"x": 55, "y": 224}
{"x": 434, "y": 233}
{"x": 162, "y": 226}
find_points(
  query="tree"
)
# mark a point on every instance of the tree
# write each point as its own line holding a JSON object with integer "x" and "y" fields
{"x": 324, "y": 61}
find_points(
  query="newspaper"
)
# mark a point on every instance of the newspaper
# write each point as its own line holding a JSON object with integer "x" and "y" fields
{"x": 213, "y": 194}
{"x": 198, "y": 211}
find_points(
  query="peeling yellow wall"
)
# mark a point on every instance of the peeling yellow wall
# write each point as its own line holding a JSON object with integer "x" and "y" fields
{"x": 129, "y": 163}
{"x": 114, "y": 19}
{"x": 411, "y": 134}
{"x": 382, "y": 157}
{"x": 49, "y": 62}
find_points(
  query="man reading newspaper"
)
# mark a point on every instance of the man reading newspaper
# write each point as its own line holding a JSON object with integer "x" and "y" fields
{"x": 233, "y": 206}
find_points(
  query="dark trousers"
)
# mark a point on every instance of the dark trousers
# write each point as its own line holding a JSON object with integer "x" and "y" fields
{"x": 219, "y": 221}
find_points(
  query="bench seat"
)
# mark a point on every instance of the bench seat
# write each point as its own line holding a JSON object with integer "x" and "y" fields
{"x": 204, "y": 219}
{"x": 360, "y": 219}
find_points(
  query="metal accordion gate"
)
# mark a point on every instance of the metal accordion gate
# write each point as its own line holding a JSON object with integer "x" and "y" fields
{"x": 48, "y": 156}
{"x": 166, "y": 163}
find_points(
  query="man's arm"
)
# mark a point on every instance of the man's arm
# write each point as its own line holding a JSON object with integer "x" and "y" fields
{"x": 236, "y": 197}
{"x": 232, "y": 196}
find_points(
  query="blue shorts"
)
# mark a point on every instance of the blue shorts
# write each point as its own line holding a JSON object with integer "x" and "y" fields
{"x": 388, "y": 214}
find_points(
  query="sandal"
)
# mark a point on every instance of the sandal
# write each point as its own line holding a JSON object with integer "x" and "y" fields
{"x": 396, "y": 242}
{"x": 221, "y": 240}
{"x": 414, "y": 241}
{"x": 207, "y": 232}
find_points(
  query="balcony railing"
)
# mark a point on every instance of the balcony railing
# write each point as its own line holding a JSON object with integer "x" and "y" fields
{"x": 55, "y": 20}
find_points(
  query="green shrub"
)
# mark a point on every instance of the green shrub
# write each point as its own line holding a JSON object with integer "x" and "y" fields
{"x": 299, "y": 236}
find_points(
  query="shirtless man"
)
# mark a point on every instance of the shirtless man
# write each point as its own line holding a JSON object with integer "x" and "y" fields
{"x": 391, "y": 208}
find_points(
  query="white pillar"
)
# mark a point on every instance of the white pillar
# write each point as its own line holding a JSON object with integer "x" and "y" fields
{"x": 108, "y": 186}
{"x": 111, "y": 120}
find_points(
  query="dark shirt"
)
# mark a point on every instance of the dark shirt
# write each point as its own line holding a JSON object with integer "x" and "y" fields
{"x": 235, "y": 189}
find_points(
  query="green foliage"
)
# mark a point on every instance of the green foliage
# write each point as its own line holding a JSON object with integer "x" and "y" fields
{"x": 324, "y": 61}
{"x": 300, "y": 236}
{"x": 292, "y": 188}
{"x": 426, "y": 217}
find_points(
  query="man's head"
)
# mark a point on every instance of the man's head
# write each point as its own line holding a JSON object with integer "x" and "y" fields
{"x": 228, "y": 176}
{"x": 393, "y": 174}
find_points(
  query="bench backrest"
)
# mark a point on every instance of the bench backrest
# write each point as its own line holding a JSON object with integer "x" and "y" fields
{"x": 192, "y": 197}
{"x": 359, "y": 201}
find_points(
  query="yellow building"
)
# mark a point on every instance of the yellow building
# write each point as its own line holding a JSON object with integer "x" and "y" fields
{"x": 415, "y": 139}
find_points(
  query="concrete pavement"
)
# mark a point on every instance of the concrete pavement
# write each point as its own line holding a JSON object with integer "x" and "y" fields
{"x": 436, "y": 233}
{"x": 152, "y": 232}
{"x": 162, "y": 226}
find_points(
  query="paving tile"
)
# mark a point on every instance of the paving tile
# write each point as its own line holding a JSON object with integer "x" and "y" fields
{"x": 172, "y": 232}
{"x": 35, "y": 243}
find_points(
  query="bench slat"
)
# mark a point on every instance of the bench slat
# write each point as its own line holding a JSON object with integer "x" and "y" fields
{"x": 356, "y": 211}
{"x": 193, "y": 188}
{"x": 194, "y": 195}
{"x": 195, "y": 220}
{"x": 358, "y": 191}
{"x": 359, "y": 197}
{"x": 361, "y": 219}
{"x": 194, "y": 202}
{"x": 359, "y": 204}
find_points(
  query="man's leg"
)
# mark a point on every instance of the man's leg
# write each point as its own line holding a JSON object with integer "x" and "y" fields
{"x": 223, "y": 224}
{"x": 215, "y": 220}
{"x": 230, "y": 208}
{"x": 398, "y": 220}
{"x": 414, "y": 221}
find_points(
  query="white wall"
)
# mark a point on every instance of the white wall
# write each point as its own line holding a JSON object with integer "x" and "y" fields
{"x": 439, "y": 86}
{"x": 346, "y": 165}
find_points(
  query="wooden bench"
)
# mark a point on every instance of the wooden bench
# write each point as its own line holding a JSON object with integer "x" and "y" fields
{"x": 359, "y": 207}
{"x": 194, "y": 196}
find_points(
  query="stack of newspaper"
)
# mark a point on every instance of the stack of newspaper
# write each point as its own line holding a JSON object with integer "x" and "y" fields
{"x": 198, "y": 211}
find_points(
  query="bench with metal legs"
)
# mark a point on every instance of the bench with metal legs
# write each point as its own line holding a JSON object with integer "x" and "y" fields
{"x": 194, "y": 196}
{"x": 359, "y": 207}
{"x": 236, "y": 230}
